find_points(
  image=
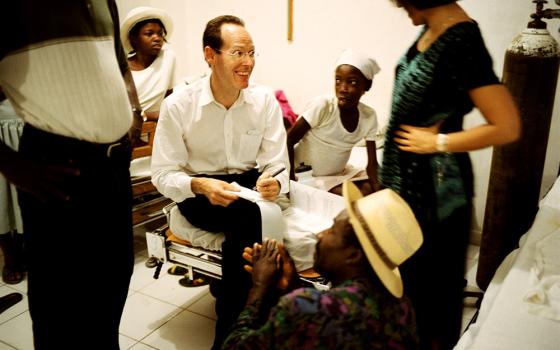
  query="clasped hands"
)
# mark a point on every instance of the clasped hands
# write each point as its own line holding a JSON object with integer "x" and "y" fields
{"x": 218, "y": 192}
{"x": 271, "y": 265}
{"x": 416, "y": 139}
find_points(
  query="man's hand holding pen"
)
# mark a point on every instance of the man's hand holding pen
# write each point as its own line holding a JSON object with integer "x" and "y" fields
{"x": 268, "y": 186}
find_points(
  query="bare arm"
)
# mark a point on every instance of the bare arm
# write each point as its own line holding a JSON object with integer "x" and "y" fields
{"x": 371, "y": 168}
{"x": 137, "y": 121}
{"x": 496, "y": 106}
{"x": 296, "y": 133}
{"x": 504, "y": 124}
{"x": 152, "y": 116}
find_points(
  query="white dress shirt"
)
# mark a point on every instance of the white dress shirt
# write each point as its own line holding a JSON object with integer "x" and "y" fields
{"x": 197, "y": 135}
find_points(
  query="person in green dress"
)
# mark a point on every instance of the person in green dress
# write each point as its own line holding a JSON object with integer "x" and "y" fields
{"x": 444, "y": 75}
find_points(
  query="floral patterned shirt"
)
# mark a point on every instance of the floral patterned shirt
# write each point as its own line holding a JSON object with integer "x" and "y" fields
{"x": 349, "y": 316}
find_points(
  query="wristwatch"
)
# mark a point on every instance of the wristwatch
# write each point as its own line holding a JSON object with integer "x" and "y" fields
{"x": 442, "y": 143}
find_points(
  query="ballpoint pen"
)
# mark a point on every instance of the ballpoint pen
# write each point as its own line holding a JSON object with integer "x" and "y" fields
{"x": 274, "y": 174}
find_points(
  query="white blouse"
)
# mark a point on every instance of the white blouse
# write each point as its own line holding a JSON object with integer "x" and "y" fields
{"x": 153, "y": 82}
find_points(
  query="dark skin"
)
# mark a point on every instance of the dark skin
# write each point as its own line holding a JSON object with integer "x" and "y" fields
{"x": 350, "y": 85}
{"x": 266, "y": 270}
{"x": 273, "y": 270}
{"x": 267, "y": 264}
{"x": 147, "y": 45}
{"x": 135, "y": 130}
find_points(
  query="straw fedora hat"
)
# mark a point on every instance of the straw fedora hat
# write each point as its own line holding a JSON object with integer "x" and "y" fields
{"x": 139, "y": 14}
{"x": 387, "y": 230}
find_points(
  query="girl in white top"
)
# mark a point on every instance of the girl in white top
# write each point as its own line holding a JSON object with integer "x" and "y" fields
{"x": 143, "y": 33}
{"x": 324, "y": 134}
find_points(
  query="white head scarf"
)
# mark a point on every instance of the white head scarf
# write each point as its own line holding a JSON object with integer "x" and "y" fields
{"x": 366, "y": 65}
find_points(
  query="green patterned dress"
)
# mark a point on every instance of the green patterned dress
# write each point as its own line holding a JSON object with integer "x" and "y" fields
{"x": 433, "y": 86}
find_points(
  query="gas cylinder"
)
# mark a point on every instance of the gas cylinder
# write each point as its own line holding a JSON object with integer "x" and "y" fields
{"x": 530, "y": 73}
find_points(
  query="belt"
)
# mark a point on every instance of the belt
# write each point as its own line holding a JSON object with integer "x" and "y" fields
{"x": 123, "y": 145}
{"x": 77, "y": 148}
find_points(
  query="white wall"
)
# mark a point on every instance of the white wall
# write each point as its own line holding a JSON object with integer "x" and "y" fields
{"x": 303, "y": 68}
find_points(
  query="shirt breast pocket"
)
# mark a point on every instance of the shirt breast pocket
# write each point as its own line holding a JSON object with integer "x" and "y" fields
{"x": 249, "y": 144}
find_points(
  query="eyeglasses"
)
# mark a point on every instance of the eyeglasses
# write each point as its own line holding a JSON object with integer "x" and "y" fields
{"x": 239, "y": 55}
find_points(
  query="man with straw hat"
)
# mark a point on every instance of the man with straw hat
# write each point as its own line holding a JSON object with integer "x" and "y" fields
{"x": 360, "y": 255}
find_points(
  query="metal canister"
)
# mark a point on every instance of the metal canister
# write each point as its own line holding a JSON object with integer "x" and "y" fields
{"x": 530, "y": 73}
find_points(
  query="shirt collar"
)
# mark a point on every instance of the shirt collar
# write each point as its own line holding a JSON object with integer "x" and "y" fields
{"x": 206, "y": 96}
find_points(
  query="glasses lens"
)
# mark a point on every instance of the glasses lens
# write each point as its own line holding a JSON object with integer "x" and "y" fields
{"x": 239, "y": 55}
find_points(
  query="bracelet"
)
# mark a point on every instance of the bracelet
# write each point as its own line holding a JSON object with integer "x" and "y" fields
{"x": 137, "y": 110}
{"x": 442, "y": 143}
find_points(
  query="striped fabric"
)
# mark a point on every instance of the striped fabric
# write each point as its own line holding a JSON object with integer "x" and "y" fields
{"x": 62, "y": 75}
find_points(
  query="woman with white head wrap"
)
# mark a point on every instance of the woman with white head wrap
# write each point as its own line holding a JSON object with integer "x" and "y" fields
{"x": 324, "y": 134}
{"x": 366, "y": 65}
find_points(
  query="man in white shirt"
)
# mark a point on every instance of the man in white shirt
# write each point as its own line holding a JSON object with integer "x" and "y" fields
{"x": 219, "y": 130}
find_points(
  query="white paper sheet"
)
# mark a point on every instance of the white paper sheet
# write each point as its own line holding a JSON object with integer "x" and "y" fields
{"x": 246, "y": 193}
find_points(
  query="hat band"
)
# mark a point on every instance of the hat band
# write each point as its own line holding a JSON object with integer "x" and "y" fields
{"x": 371, "y": 238}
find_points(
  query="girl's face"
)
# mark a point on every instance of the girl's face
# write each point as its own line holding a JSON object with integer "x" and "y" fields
{"x": 149, "y": 40}
{"x": 350, "y": 85}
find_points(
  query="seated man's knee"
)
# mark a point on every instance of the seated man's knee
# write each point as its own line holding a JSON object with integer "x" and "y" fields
{"x": 246, "y": 223}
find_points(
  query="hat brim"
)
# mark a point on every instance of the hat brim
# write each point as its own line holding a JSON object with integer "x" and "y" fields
{"x": 391, "y": 278}
{"x": 139, "y": 14}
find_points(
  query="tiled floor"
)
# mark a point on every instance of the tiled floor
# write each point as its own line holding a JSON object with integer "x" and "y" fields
{"x": 159, "y": 314}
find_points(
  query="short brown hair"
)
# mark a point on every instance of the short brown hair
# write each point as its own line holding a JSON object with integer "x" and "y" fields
{"x": 212, "y": 36}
